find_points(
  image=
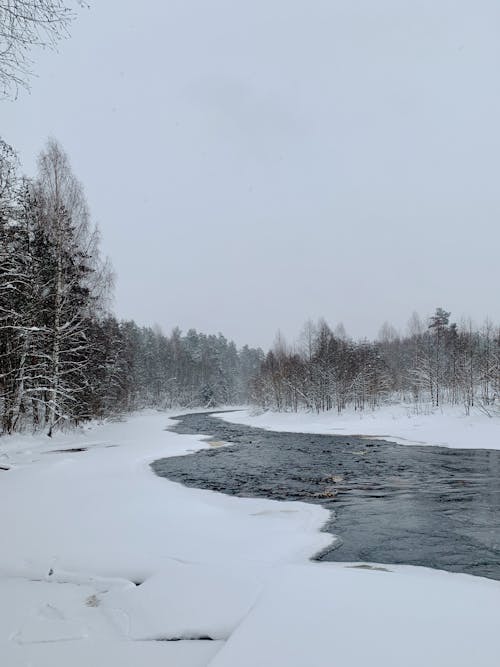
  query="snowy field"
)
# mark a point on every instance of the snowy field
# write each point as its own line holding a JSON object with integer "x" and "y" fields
{"x": 395, "y": 423}
{"x": 84, "y": 521}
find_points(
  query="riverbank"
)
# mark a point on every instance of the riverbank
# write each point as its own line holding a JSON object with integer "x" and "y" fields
{"x": 399, "y": 423}
{"x": 84, "y": 520}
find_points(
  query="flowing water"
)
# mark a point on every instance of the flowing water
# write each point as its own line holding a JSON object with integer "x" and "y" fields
{"x": 391, "y": 503}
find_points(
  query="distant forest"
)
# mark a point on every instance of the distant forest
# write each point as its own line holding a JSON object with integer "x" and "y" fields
{"x": 64, "y": 358}
{"x": 436, "y": 363}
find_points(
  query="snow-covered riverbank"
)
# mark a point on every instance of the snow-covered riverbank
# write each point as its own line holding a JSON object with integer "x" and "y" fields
{"x": 396, "y": 423}
{"x": 81, "y": 528}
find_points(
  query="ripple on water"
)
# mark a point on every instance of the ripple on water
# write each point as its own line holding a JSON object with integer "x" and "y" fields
{"x": 415, "y": 505}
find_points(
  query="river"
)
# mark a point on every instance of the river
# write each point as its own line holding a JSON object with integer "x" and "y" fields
{"x": 390, "y": 503}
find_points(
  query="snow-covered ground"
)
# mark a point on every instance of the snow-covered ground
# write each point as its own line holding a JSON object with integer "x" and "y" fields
{"x": 396, "y": 423}
{"x": 227, "y": 578}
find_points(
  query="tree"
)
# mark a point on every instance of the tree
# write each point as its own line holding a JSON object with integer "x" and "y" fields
{"x": 13, "y": 284}
{"x": 8, "y": 170}
{"x": 72, "y": 275}
{"x": 25, "y": 24}
{"x": 438, "y": 324}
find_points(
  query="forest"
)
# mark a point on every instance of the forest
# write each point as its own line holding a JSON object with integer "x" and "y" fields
{"x": 438, "y": 362}
{"x": 65, "y": 358}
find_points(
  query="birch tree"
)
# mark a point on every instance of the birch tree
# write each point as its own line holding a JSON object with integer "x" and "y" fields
{"x": 71, "y": 292}
{"x": 25, "y": 25}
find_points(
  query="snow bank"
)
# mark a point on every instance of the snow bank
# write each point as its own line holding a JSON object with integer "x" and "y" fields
{"x": 189, "y": 601}
{"x": 50, "y": 624}
{"x": 396, "y": 423}
{"x": 326, "y": 614}
{"x": 84, "y": 519}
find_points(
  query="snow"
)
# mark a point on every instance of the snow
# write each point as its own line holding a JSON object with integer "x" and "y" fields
{"x": 104, "y": 512}
{"x": 46, "y": 624}
{"x": 329, "y": 614}
{"x": 398, "y": 423}
{"x": 227, "y": 578}
{"x": 189, "y": 600}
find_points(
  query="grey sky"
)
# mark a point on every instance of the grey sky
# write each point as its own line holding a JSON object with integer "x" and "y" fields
{"x": 254, "y": 164}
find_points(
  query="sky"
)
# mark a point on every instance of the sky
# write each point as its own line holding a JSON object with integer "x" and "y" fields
{"x": 252, "y": 165}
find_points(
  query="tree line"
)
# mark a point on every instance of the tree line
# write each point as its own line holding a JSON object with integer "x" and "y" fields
{"x": 64, "y": 358}
{"x": 436, "y": 363}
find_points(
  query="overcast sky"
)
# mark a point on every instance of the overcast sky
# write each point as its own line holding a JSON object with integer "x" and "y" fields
{"x": 253, "y": 164}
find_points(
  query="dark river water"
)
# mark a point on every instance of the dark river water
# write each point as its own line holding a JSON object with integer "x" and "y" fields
{"x": 391, "y": 503}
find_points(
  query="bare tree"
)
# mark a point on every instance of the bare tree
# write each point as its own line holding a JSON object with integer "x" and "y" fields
{"x": 25, "y": 24}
